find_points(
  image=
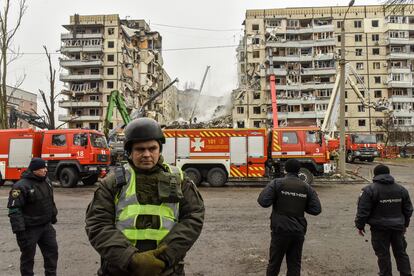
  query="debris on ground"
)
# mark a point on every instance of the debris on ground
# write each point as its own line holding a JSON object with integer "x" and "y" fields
{"x": 224, "y": 121}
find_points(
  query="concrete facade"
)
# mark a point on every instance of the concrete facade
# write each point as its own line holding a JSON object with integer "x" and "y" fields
{"x": 103, "y": 53}
{"x": 303, "y": 45}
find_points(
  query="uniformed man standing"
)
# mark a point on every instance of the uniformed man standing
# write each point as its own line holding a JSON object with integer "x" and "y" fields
{"x": 387, "y": 208}
{"x": 146, "y": 216}
{"x": 291, "y": 198}
{"x": 32, "y": 212}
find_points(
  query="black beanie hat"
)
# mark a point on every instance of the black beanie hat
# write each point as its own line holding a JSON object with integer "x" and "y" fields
{"x": 292, "y": 166}
{"x": 381, "y": 169}
{"x": 37, "y": 163}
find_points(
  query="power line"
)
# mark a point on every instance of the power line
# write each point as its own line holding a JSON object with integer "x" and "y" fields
{"x": 164, "y": 50}
{"x": 196, "y": 29}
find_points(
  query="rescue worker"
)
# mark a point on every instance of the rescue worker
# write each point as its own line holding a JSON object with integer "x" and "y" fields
{"x": 144, "y": 217}
{"x": 32, "y": 212}
{"x": 386, "y": 207}
{"x": 290, "y": 198}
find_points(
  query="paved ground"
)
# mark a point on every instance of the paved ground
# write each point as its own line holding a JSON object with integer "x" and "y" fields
{"x": 235, "y": 237}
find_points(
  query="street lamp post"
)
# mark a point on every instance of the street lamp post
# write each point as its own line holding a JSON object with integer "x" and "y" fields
{"x": 342, "y": 151}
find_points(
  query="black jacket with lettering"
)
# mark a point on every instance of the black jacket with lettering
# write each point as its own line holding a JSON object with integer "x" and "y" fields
{"x": 384, "y": 205}
{"x": 290, "y": 198}
{"x": 31, "y": 202}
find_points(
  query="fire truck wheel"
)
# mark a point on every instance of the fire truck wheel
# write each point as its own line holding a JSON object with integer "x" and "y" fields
{"x": 306, "y": 175}
{"x": 349, "y": 157}
{"x": 68, "y": 177}
{"x": 90, "y": 180}
{"x": 216, "y": 177}
{"x": 194, "y": 174}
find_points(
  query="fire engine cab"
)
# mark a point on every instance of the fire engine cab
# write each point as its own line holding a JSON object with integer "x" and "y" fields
{"x": 218, "y": 155}
{"x": 71, "y": 154}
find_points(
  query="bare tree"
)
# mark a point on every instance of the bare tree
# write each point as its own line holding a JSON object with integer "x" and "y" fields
{"x": 50, "y": 104}
{"x": 7, "y": 54}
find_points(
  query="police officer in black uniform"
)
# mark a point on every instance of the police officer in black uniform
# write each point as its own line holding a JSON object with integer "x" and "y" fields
{"x": 291, "y": 198}
{"x": 32, "y": 212}
{"x": 386, "y": 207}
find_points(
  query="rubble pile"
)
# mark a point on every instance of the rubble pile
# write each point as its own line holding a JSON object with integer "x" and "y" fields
{"x": 219, "y": 122}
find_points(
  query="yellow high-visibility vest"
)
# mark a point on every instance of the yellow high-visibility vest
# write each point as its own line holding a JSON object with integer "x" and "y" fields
{"x": 128, "y": 209}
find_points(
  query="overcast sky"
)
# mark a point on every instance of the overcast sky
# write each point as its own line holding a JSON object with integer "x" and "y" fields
{"x": 42, "y": 25}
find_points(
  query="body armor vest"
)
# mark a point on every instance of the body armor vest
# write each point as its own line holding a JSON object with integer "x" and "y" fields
{"x": 291, "y": 197}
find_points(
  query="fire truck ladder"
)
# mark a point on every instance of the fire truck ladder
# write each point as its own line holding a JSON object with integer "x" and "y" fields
{"x": 332, "y": 112}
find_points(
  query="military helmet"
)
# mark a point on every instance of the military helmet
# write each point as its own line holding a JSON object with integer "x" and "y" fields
{"x": 142, "y": 129}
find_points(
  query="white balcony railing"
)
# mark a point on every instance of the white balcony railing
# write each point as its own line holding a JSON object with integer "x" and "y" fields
{"x": 68, "y": 63}
{"x": 75, "y": 118}
{"x": 73, "y": 77}
{"x": 70, "y": 104}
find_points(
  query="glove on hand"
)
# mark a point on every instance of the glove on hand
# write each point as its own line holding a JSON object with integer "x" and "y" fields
{"x": 147, "y": 263}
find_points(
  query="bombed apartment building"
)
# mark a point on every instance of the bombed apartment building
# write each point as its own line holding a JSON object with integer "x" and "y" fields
{"x": 102, "y": 53}
{"x": 301, "y": 47}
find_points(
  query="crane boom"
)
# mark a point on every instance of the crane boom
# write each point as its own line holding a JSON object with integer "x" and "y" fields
{"x": 199, "y": 93}
{"x": 32, "y": 119}
{"x": 331, "y": 115}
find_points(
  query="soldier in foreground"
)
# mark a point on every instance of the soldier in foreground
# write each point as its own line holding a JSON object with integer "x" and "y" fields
{"x": 146, "y": 216}
{"x": 386, "y": 207}
{"x": 290, "y": 198}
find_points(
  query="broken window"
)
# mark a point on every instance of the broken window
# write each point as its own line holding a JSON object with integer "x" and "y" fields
{"x": 361, "y": 122}
{"x": 256, "y": 124}
{"x": 111, "y": 31}
{"x": 375, "y": 51}
{"x": 377, "y": 93}
{"x": 256, "y": 95}
{"x": 360, "y": 66}
{"x": 361, "y": 108}
{"x": 256, "y": 110}
{"x": 95, "y": 71}
{"x": 94, "y": 112}
{"x": 358, "y": 52}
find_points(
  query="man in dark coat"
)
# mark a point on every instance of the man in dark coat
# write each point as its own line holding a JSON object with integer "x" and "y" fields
{"x": 290, "y": 198}
{"x": 32, "y": 212}
{"x": 386, "y": 207}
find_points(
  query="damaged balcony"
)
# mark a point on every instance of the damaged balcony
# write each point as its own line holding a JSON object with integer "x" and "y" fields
{"x": 76, "y": 118}
{"x": 80, "y": 36}
{"x": 75, "y": 104}
{"x": 74, "y": 77}
{"x": 69, "y": 63}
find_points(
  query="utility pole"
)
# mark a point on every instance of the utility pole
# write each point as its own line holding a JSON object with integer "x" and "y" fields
{"x": 342, "y": 150}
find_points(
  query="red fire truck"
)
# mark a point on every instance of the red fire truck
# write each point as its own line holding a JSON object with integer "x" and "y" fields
{"x": 71, "y": 154}
{"x": 216, "y": 155}
{"x": 363, "y": 147}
